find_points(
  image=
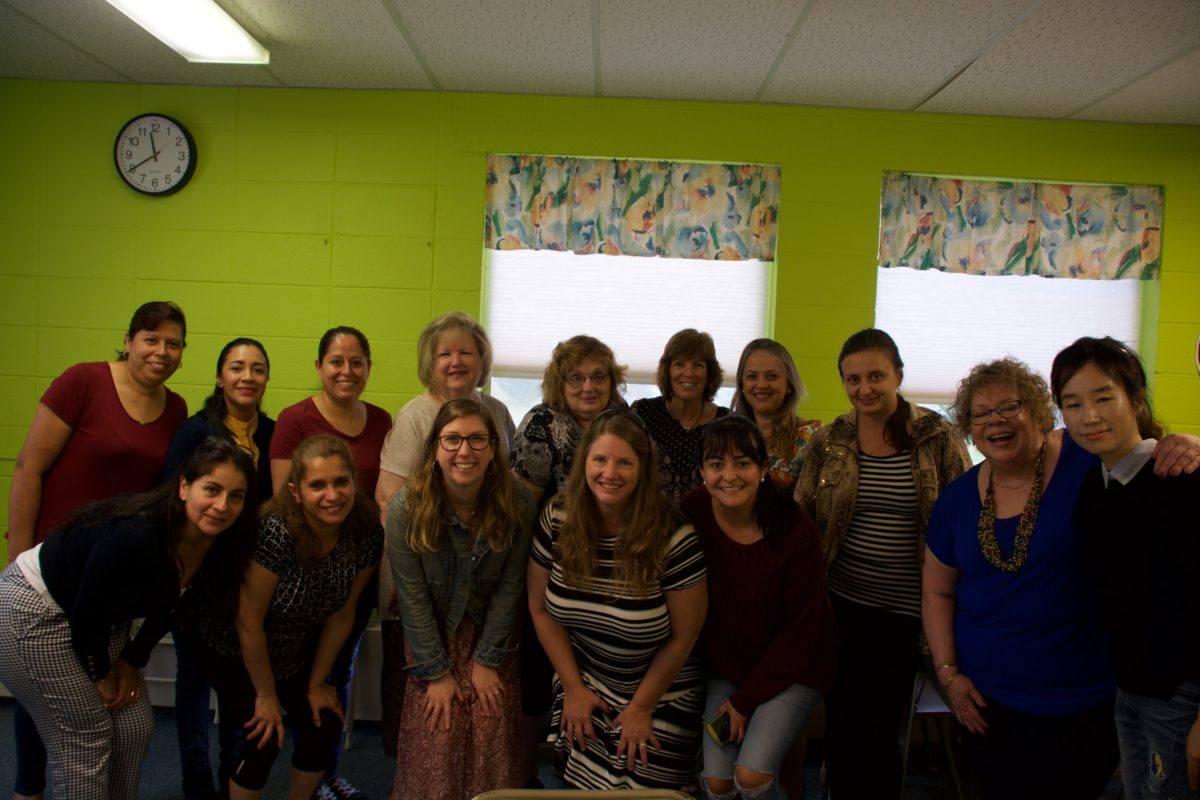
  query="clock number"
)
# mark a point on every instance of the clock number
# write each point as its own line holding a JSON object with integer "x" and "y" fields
{"x": 142, "y": 178}
{"x": 182, "y": 156}
{"x": 133, "y": 141}
{"x": 178, "y": 170}
{"x": 167, "y": 179}
{"x": 142, "y": 131}
{"x": 154, "y": 126}
{"x": 154, "y": 183}
{"x": 179, "y": 141}
{"x": 129, "y": 154}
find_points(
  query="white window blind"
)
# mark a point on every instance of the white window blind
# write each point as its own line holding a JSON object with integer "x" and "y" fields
{"x": 536, "y": 298}
{"x": 945, "y": 323}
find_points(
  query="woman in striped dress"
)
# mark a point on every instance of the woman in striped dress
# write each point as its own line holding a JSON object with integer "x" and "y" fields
{"x": 618, "y": 595}
{"x": 870, "y": 480}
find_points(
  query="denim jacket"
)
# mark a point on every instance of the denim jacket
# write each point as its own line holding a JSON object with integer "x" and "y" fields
{"x": 437, "y": 588}
{"x": 828, "y": 485}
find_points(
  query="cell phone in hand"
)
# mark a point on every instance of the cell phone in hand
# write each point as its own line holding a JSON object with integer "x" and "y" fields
{"x": 718, "y": 728}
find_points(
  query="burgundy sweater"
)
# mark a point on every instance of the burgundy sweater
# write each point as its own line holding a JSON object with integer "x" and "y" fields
{"x": 769, "y": 621}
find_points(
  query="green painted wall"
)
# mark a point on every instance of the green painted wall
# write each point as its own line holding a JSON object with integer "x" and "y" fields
{"x": 316, "y": 207}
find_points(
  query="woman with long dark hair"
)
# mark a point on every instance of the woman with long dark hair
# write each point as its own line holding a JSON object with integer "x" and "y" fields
{"x": 65, "y": 651}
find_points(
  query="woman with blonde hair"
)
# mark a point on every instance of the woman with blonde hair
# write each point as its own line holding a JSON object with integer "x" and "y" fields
{"x": 462, "y": 514}
{"x": 768, "y": 390}
{"x": 618, "y": 596}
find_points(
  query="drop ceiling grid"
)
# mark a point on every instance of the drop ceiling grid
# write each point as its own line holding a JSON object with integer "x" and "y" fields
{"x": 1170, "y": 94}
{"x": 350, "y": 43}
{"x": 1055, "y": 62}
{"x": 687, "y": 50}
{"x": 528, "y": 46}
{"x": 28, "y": 51}
{"x": 99, "y": 29}
{"x": 885, "y": 54}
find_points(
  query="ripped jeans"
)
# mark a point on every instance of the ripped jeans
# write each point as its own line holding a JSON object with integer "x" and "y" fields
{"x": 772, "y": 728}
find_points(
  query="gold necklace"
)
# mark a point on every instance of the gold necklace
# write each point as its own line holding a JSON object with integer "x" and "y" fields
{"x": 1025, "y": 523}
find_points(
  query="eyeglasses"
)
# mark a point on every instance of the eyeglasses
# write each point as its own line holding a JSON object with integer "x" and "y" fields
{"x": 576, "y": 380}
{"x": 1005, "y": 411}
{"x": 476, "y": 441}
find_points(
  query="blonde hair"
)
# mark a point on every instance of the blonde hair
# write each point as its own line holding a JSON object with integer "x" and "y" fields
{"x": 364, "y": 514}
{"x": 427, "y": 345}
{"x": 570, "y": 354}
{"x": 649, "y": 517}
{"x": 785, "y": 424}
{"x": 429, "y": 505}
{"x": 1031, "y": 389}
{"x": 690, "y": 343}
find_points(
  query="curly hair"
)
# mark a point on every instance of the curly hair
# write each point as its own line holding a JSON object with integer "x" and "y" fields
{"x": 427, "y": 345}
{"x": 649, "y": 517}
{"x": 571, "y": 353}
{"x": 690, "y": 343}
{"x": 364, "y": 514}
{"x": 428, "y": 503}
{"x": 1030, "y": 387}
{"x": 786, "y": 423}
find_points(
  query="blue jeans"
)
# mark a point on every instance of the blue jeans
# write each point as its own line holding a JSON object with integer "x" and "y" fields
{"x": 1153, "y": 737}
{"x": 193, "y": 719}
{"x": 772, "y": 728}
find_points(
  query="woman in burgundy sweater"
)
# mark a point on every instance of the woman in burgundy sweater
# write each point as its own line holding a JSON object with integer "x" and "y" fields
{"x": 769, "y": 640}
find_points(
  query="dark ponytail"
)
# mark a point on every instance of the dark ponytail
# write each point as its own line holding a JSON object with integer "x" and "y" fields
{"x": 895, "y": 431}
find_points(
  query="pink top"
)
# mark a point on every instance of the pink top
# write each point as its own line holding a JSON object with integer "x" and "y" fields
{"x": 109, "y": 452}
{"x": 297, "y": 423}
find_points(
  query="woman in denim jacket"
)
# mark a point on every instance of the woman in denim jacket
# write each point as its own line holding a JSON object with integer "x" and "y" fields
{"x": 458, "y": 539}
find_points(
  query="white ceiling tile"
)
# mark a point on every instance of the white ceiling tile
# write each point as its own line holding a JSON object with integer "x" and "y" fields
{"x": 525, "y": 46}
{"x": 1069, "y": 53}
{"x": 99, "y": 29}
{"x": 885, "y": 53}
{"x": 28, "y": 51}
{"x": 688, "y": 50}
{"x": 1169, "y": 94}
{"x": 352, "y": 43}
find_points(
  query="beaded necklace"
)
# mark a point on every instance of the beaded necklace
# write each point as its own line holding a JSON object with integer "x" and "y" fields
{"x": 1025, "y": 523}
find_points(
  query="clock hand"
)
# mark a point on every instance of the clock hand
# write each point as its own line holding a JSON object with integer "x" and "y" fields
{"x": 143, "y": 161}
{"x": 153, "y": 149}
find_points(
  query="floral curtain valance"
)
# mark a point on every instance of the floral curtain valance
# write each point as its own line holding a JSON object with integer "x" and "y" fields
{"x": 1020, "y": 228}
{"x": 636, "y": 208}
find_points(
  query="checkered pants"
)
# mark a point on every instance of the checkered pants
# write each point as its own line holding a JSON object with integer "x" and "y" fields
{"x": 94, "y": 754}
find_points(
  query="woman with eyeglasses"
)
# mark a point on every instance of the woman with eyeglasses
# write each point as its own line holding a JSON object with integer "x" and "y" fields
{"x": 458, "y": 540}
{"x": 618, "y": 596}
{"x": 1012, "y": 620}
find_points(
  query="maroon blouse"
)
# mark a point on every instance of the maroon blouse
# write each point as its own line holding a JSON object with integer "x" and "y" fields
{"x": 297, "y": 423}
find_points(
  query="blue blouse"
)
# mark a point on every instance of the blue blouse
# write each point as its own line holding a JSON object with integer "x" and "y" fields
{"x": 1031, "y": 640}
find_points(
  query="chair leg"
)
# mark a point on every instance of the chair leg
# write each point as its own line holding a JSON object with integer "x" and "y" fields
{"x": 907, "y": 736}
{"x": 348, "y": 725}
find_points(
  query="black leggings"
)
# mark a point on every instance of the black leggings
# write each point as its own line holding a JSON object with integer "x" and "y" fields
{"x": 235, "y": 700}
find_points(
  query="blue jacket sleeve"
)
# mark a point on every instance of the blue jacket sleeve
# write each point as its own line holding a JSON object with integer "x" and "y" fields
{"x": 496, "y": 641}
{"x": 421, "y": 632}
{"x": 194, "y": 430}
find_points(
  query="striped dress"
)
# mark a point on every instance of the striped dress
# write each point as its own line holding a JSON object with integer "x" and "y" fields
{"x": 614, "y": 636}
{"x": 876, "y": 563}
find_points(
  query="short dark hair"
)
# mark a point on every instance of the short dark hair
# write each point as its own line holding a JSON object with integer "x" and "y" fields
{"x": 774, "y": 508}
{"x": 149, "y": 316}
{"x": 342, "y": 330}
{"x": 1116, "y": 360}
{"x": 690, "y": 343}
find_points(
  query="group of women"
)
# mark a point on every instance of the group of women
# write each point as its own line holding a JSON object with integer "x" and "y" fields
{"x": 621, "y": 578}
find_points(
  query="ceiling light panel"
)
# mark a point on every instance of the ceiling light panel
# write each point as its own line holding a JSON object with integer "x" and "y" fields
{"x": 199, "y": 30}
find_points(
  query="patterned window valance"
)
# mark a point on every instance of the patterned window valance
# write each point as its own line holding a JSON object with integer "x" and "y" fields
{"x": 635, "y": 208}
{"x": 1020, "y": 228}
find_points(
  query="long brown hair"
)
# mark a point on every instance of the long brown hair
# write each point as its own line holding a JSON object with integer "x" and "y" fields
{"x": 649, "y": 517}
{"x": 429, "y": 503}
{"x": 786, "y": 424}
{"x": 364, "y": 514}
{"x": 895, "y": 430}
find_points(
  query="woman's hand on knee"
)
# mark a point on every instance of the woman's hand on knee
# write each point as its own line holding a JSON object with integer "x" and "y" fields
{"x": 128, "y": 681}
{"x": 488, "y": 688}
{"x": 578, "y": 705}
{"x": 737, "y": 722}
{"x": 323, "y": 696}
{"x": 440, "y": 696}
{"x": 267, "y": 722}
{"x": 108, "y": 690}
{"x": 637, "y": 735}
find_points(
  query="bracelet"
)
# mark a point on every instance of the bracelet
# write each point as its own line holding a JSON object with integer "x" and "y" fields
{"x": 947, "y": 665}
{"x": 953, "y": 678}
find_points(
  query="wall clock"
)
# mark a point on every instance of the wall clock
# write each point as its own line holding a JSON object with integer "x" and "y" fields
{"x": 155, "y": 154}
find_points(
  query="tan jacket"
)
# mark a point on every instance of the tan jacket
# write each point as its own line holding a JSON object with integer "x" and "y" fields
{"x": 828, "y": 483}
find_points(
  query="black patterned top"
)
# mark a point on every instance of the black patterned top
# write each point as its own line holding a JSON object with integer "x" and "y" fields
{"x": 304, "y": 597}
{"x": 544, "y": 447}
{"x": 679, "y": 450}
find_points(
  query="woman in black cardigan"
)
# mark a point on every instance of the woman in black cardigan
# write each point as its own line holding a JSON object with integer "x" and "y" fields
{"x": 65, "y": 651}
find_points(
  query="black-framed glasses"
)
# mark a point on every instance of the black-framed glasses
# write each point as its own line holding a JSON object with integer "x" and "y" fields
{"x": 1004, "y": 411}
{"x": 578, "y": 379}
{"x": 476, "y": 441}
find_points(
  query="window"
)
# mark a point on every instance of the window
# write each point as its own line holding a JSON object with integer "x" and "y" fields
{"x": 945, "y": 323}
{"x": 536, "y": 298}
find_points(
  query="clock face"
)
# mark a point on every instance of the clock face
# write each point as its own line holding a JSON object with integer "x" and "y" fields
{"x": 155, "y": 154}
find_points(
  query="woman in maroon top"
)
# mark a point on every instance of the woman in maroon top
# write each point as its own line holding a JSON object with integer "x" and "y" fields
{"x": 101, "y": 429}
{"x": 343, "y": 365}
{"x": 769, "y": 636}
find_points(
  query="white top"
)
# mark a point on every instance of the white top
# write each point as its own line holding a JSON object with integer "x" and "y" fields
{"x": 1132, "y": 463}
{"x": 30, "y": 564}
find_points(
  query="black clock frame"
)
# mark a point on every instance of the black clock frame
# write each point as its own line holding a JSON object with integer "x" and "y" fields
{"x": 187, "y": 174}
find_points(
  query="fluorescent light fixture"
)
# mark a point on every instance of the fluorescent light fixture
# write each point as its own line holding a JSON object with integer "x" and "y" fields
{"x": 199, "y": 30}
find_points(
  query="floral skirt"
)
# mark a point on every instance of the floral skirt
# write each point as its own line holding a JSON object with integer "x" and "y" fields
{"x": 478, "y": 753}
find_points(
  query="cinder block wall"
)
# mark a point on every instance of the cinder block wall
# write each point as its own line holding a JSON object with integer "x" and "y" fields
{"x": 316, "y": 207}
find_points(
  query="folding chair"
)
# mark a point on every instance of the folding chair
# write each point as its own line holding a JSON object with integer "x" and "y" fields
{"x": 929, "y": 705}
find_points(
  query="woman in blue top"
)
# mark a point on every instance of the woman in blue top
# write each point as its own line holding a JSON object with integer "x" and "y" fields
{"x": 233, "y": 412}
{"x": 458, "y": 541}
{"x": 1012, "y": 622}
